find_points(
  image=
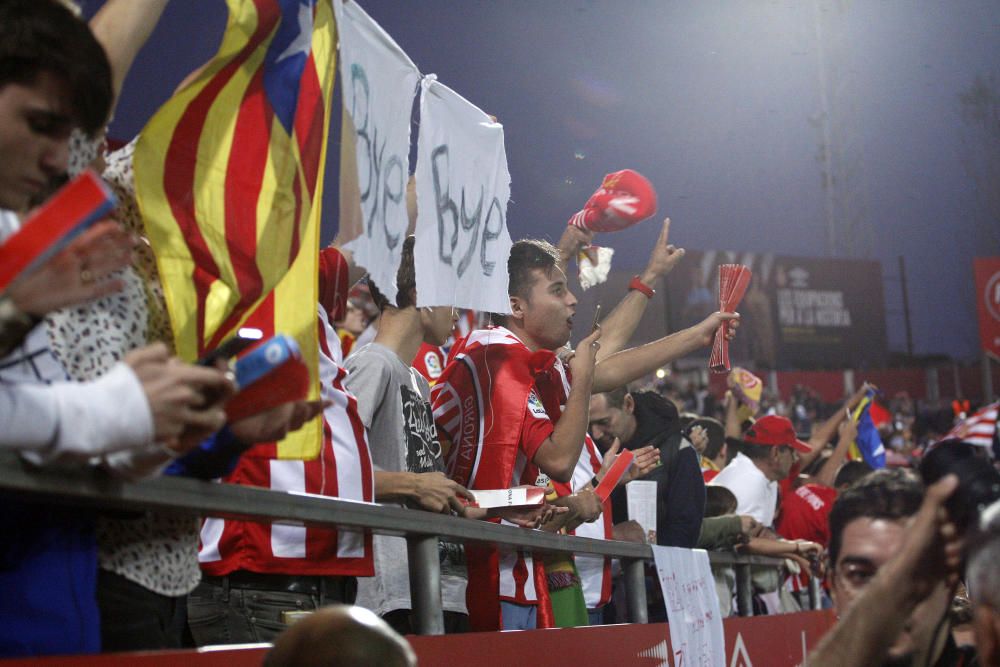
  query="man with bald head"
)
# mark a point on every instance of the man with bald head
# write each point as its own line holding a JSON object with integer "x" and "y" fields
{"x": 341, "y": 636}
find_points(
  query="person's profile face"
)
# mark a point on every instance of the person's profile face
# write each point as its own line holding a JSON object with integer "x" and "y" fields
{"x": 606, "y": 422}
{"x": 438, "y": 323}
{"x": 35, "y": 125}
{"x": 866, "y": 545}
{"x": 548, "y": 311}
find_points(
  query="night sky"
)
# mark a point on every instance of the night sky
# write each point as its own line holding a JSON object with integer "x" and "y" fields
{"x": 726, "y": 106}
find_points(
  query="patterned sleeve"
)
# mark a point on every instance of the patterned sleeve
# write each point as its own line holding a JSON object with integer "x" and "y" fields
{"x": 536, "y": 428}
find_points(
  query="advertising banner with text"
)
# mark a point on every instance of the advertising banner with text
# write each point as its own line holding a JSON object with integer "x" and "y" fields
{"x": 797, "y": 313}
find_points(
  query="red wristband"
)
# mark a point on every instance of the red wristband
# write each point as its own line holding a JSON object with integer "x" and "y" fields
{"x": 636, "y": 284}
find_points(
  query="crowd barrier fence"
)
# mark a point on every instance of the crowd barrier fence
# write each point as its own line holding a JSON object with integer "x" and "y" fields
{"x": 91, "y": 487}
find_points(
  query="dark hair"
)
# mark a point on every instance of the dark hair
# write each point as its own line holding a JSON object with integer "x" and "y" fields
{"x": 884, "y": 494}
{"x": 719, "y": 501}
{"x": 616, "y": 397}
{"x": 755, "y": 452}
{"x": 406, "y": 280}
{"x": 526, "y": 255}
{"x": 39, "y": 36}
{"x": 850, "y": 473}
{"x": 716, "y": 435}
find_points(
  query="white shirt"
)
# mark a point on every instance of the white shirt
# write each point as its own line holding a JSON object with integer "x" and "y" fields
{"x": 756, "y": 495}
{"x": 48, "y": 418}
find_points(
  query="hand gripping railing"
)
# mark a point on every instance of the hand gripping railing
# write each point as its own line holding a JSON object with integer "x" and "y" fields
{"x": 422, "y": 530}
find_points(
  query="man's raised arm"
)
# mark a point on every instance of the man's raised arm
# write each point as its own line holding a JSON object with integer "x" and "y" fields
{"x": 557, "y": 456}
{"x": 623, "y": 367}
{"x": 621, "y": 322}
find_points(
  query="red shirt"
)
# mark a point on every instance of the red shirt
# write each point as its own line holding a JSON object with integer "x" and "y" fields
{"x": 804, "y": 513}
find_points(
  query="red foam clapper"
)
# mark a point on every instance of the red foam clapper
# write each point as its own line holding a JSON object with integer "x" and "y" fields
{"x": 279, "y": 361}
{"x": 614, "y": 475}
{"x": 78, "y": 205}
{"x": 733, "y": 282}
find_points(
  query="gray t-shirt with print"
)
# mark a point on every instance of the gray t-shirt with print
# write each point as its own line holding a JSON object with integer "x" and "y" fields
{"x": 394, "y": 404}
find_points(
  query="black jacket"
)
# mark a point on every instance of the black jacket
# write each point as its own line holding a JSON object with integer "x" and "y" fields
{"x": 680, "y": 497}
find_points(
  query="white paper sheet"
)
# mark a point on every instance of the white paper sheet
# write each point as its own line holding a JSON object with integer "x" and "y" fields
{"x": 378, "y": 82}
{"x": 696, "y": 636}
{"x": 641, "y": 496}
{"x": 463, "y": 187}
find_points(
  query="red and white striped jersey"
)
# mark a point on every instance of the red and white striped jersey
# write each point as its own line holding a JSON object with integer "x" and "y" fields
{"x": 342, "y": 470}
{"x": 481, "y": 406}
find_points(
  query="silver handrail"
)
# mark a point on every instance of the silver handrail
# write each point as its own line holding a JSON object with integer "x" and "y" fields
{"x": 91, "y": 487}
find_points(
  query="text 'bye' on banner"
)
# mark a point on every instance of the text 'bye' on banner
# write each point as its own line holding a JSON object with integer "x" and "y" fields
{"x": 378, "y": 81}
{"x": 463, "y": 187}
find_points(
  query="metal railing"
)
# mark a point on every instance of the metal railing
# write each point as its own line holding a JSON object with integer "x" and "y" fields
{"x": 422, "y": 530}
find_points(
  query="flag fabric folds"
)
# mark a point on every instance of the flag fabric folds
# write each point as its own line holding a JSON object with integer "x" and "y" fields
{"x": 868, "y": 443}
{"x": 229, "y": 176}
{"x": 733, "y": 282}
{"x": 979, "y": 429}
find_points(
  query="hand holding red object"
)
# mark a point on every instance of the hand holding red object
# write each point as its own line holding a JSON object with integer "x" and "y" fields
{"x": 733, "y": 282}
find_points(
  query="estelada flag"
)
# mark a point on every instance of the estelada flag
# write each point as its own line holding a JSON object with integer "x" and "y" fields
{"x": 229, "y": 177}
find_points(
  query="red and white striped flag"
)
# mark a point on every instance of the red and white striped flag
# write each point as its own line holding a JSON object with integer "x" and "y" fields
{"x": 978, "y": 429}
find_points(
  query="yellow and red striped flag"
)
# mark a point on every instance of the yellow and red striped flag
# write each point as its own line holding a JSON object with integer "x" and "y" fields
{"x": 229, "y": 177}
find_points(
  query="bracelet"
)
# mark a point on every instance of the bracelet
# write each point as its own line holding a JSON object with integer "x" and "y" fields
{"x": 639, "y": 286}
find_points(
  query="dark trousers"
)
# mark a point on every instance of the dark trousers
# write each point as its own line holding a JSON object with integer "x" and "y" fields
{"x": 401, "y": 620}
{"x": 134, "y": 618}
{"x": 248, "y": 607}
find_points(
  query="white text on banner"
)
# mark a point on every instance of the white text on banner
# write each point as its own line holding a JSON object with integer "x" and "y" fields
{"x": 463, "y": 187}
{"x": 692, "y": 606}
{"x": 378, "y": 81}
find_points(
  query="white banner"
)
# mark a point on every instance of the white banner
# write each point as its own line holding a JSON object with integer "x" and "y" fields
{"x": 463, "y": 187}
{"x": 378, "y": 82}
{"x": 693, "y": 614}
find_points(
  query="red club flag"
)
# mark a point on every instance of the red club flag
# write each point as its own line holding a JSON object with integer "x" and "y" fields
{"x": 987, "y": 272}
{"x": 229, "y": 176}
{"x": 733, "y": 282}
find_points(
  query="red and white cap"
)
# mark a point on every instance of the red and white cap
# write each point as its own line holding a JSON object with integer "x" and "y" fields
{"x": 625, "y": 198}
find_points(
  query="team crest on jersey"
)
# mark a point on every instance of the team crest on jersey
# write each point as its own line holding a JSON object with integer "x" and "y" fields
{"x": 433, "y": 365}
{"x": 535, "y": 406}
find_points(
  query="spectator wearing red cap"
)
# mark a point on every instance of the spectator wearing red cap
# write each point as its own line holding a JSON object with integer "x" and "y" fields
{"x": 767, "y": 453}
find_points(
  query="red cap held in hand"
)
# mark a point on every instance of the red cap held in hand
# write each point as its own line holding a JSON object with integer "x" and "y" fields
{"x": 624, "y": 198}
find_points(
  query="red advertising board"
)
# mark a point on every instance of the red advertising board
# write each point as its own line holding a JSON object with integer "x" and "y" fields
{"x": 987, "y": 272}
{"x": 774, "y": 641}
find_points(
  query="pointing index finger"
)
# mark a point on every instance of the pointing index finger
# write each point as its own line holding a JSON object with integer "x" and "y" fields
{"x": 664, "y": 233}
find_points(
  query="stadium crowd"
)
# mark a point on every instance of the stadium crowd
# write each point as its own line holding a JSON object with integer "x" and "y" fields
{"x": 421, "y": 407}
